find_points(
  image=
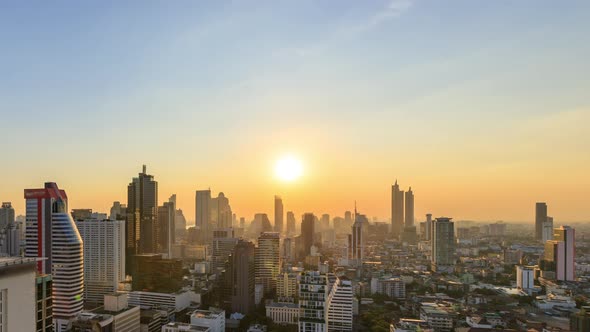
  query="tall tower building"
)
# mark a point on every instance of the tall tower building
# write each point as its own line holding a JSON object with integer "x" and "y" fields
{"x": 290, "y": 223}
{"x": 325, "y": 222}
{"x": 565, "y": 267}
{"x": 203, "y": 215}
{"x": 241, "y": 277}
{"x": 104, "y": 257}
{"x": 409, "y": 208}
{"x": 10, "y": 231}
{"x": 547, "y": 230}
{"x": 307, "y": 233}
{"x": 222, "y": 246}
{"x": 221, "y": 214}
{"x": 540, "y": 219}
{"x": 397, "y": 210}
{"x": 118, "y": 211}
{"x": 278, "y": 214}
{"x": 357, "y": 244}
{"x": 428, "y": 227}
{"x": 166, "y": 227}
{"x": 6, "y": 214}
{"x": 443, "y": 245}
{"x": 313, "y": 295}
{"x": 142, "y": 216}
{"x": 51, "y": 233}
{"x": 267, "y": 260}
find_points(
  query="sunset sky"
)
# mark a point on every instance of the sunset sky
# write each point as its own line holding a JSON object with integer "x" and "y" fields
{"x": 483, "y": 107}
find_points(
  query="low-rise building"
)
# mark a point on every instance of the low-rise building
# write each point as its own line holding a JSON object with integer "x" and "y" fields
{"x": 440, "y": 320}
{"x": 410, "y": 325}
{"x": 184, "y": 327}
{"x": 213, "y": 319}
{"x": 283, "y": 313}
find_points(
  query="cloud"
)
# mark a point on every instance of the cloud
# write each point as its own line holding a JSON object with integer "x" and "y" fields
{"x": 394, "y": 9}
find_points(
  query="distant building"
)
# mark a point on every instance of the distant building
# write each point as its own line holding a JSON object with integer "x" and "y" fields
{"x": 525, "y": 277}
{"x": 287, "y": 285}
{"x": 166, "y": 227}
{"x": 395, "y": 288}
{"x": 397, "y": 210}
{"x": 357, "y": 240}
{"x": 290, "y": 223}
{"x": 561, "y": 251}
{"x": 10, "y": 231}
{"x": 125, "y": 317}
{"x": 409, "y": 208}
{"x": 203, "y": 216}
{"x": 44, "y": 297}
{"x": 240, "y": 278}
{"x": 283, "y": 313}
{"x": 580, "y": 322}
{"x": 154, "y": 274}
{"x": 540, "y": 219}
{"x": 279, "y": 214}
{"x": 307, "y": 233}
{"x": 184, "y": 327}
{"x": 438, "y": 319}
{"x": 52, "y": 233}
{"x": 222, "y": 246}
{"x": 87, "y": 321}
{"x": 221, "y": 214}
{"x": 548, "y": 230}
{"x": 118, "y": 211}
{"x": 443, "y": 244}
{"x": 104, "y": 257}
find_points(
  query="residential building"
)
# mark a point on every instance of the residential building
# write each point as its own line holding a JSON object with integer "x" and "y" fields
{"x": 176, "y": 301}
{"x": 221, "y": 214}
{"x": 51, "y": 233}
{"x": 440, "y": 320}
{"x": 409, "y": 208}
{"x": 287, "y": 285}
{"x": 443, "y": 244}
{"x": 267, "y": 260}
{"x": 525, "y": 277}
{"x": 104, "y": 257}
{"x": 166, "y": 227}
{"x": 18, "y": 303}
{"x": 307, "y": 233}
{"x": 339, "y": 306}
{"x": 44, "y": 297}
{"x": 313, "y": 296}
{"x": 240, "y": 278}
{"x": 397, "y": 210}
{"x": 283, "y": 313}
{"x": 565, "y": 267}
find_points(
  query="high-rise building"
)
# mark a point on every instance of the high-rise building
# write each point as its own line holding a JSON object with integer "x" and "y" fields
{"x": 10, "y": 231}
{"x": 287, "y": 286}
{"x": 540, "y": 219}
{"x": 278, "y": 214}
{"x": 340, "y": 306}
{"x": 443, "y": 244}
{"x": 152, "y": 273}
{"x": 348, "y": 219}
{"x": 307, "y": 233}
{"x": 221, "y": 214}
{"x": 18, "y": 307}
{"x": 51, "y": 233}
{"x": 325, "y": 222}
{"x": 44, "y": 297}
{"x": 118, "y": 211}
{"x": 240, "y": 274}
{"x": 104, "y": 257}
{"x": 565, "y": 268}
{"x": 203, "y": 215}
{"x": 357, "y": 239}
{"x": 222, "y": 246}
{"x": 313, "y": 295}
{"x": 548, "y": 230}
{"x": 397, "y": 210}
{"x": 166, "y": 228}
{"x": 179, "y": 224}
{"x": 409, "y": 208}
{"x": 267, "y": 262}
{"x": 428, "y": 228}
{"x": 142, "y": 216}
{"x": 290, "y": 223}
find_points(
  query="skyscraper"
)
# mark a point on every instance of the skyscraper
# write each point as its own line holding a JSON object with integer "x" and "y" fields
{"x": 325, "y": 222}
{"x": 203, "y": 214}
{"x": 428, "y": 227}
{"x": 397, "y": 210}
{"x": 547, "y": 230}
{"x": 307, "y": 233}
{"x": 142, "y": 216}
{"x": 221, "y": 214}
{"x": 118, "y": 211}
{"x": 278, "y": 214}
{"x": 222, "y": 246}
{"x": 166, "y": 228}
{"x": 10, "y": 231}
{"x": 313, "y": 295}
{"x": 290, "y": 223}
{"x": 565, "y": 267}
{"x": 241, "y": 277}
{"x": 443, "y": 245}
{"x": 409, "y": 208}
{"x": 6, "y": 214}
{"x": 267, "y": 262}
{"x": 104, "y": 257}
{"x": 357, "y": 244}
{"x": 540, "y": 219}
{"x": 52, "y": 233}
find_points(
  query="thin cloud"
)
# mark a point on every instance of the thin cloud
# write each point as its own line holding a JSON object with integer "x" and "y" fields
{"x": 394, "y": 9}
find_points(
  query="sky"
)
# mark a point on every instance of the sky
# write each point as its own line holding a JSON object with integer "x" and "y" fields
{"x": 482, "y": 107}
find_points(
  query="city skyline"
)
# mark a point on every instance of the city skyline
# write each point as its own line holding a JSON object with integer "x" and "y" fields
{"x": 486, "y": 101}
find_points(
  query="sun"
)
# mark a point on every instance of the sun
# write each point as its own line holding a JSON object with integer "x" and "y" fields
{"x": 288, "y": 169}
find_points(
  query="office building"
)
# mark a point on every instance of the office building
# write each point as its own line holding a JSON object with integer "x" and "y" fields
{"x": 10, "y": 231}
{"x": 222, "y": 246}
{"x": 240, "y": 278}
{"x": 540, "y": 219}
{"x": 104, "y": 257}
{"x": 283, "y": 313}
{"x": 291, "y": 223}
{"x": 44, "y": 297}
{"x": 267, "y": 262}
{"x": 126, "y": 318}
{"x": 287, "y": 250}
{"x": 142, "y": 216}
{"x": 221, "y": 214}
{"x": 548, "y": 230}
{"x": 340, "y": 306}
{"x": 166, "y": 227}
{"x": 279, "y": 214}
{"x": 51, "y": 233}
{"x": 212, "y": 319}
{"x": 409, "y": 208}
{"x": 307, "y": 233}
{"x": 313, "y": 295}
{"x": 525, "y": 277}
{"x": 203, "y": 216}
{"x": 118, "y": 211}
{"x": 6, "y": 214}
{"x": 18, "y": 304}
{"x": 357, "y": 239}
{"x": 324, "y": 222}
{"x": 443, "y": 244}
{"x": 397, "y": 210}
{"x": 428, "y": 228}
{"x": 171, "y": 302}
{"x": 565, "y": 264}
{"x": 391, "y": 286}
